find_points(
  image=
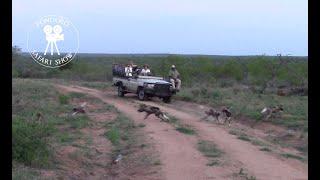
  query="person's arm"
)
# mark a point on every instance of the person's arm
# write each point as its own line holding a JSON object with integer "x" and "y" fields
{"x": 178, "y": 75}
{"x": 170, "y": 74}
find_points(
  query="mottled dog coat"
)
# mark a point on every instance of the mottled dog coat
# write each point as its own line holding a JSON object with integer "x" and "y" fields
{"x": 270, "y": 112}
{"x": 152, "y": 110}
{"x": 225, "y": 112}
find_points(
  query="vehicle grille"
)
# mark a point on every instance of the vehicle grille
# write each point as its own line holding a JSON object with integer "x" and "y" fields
{"x": 162, "y": 89}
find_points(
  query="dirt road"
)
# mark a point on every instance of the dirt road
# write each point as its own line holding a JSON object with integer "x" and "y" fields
{"x": 179, "y": 155}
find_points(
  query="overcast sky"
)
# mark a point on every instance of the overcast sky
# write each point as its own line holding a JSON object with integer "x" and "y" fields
{"x": 224, "y": 27}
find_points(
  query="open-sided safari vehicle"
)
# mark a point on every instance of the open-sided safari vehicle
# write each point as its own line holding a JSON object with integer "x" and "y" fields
{"x": 143, "y": 86}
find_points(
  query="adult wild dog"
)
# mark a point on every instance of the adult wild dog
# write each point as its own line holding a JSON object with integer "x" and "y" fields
{"x": 224, "y": 112}
{"x": 271, "y": 112}
{"x": 152, "y": 110}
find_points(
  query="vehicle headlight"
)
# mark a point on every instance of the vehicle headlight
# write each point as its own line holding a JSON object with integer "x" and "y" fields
{"x": 150, "y": 85}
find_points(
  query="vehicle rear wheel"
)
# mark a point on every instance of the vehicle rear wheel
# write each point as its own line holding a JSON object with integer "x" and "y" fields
{"x": 141, "y": 95}
{"x": 167, "y": 99}
{"x": 120, "y": 91}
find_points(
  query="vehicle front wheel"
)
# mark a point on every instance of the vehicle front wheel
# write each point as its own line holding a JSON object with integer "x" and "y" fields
{"x": 167, "y": 99}
{"x": 120, "y": 91}
{"x": 141, "y": 95}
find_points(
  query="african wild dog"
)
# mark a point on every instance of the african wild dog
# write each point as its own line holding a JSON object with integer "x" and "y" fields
{"x": 271, "y": 112}
{"x": 152, "y": 110}
{"x": 225, "y": 112}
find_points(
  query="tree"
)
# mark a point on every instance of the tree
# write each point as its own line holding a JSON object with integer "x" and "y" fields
{"x": 16, "y": 51}
{"x": 274, "y": 67}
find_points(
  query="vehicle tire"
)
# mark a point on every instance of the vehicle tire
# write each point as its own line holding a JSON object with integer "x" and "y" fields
{"x": 141, "y": 94}
{"x": 120, "y": 91}
{"x": 167, "y": 99}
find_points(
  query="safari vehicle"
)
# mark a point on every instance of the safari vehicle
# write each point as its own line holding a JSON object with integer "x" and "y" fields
{"x": 143, "y": 86}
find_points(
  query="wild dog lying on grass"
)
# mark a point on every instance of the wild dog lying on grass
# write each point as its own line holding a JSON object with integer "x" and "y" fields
{"x": 271, "y": 112}
{"x": 153, "y": 110}
{"x": 225, "y": 112}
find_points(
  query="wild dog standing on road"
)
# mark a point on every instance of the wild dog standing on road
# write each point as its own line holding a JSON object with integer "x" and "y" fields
{"x": 212, "y": 112}
{"x": 225, "y": 112}
{"x": 270, "y": 112}
{"x": 153, "y": 110}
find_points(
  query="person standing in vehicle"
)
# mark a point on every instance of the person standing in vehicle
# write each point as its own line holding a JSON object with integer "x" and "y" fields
{"x": 175, "y": 78}
{"x": 145, "y": 70}
{"x": 128, "y": 70}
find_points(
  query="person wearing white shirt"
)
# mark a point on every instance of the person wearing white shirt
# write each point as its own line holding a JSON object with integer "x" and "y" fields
{"x": 128, "y": 70}
{"x": 145, "y": 71}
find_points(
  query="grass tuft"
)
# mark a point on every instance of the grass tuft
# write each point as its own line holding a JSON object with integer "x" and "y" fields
{"x": 209, "y": 149}
{"x": 186, "y": 130}
{"x": 63, "y": 99}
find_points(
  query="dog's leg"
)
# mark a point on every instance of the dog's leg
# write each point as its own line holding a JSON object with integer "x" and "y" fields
{"x": 229, "y": 121}
{"x": 217, "y": 119}
{"x": 147, "y": 115}
{"x": 268, "y": 116}
{"x": 162, "y": 118}
{"x": 204, "y": 118}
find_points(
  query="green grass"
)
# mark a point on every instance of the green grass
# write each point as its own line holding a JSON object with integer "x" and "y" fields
{"x": 141, "y": 125}
{"x": 244, "y": 175}
{"x": 157, "y": 162}
{"x": 295, "y": 115}
{"x": 213, "y": 163}
{"x": 96, "y": 85}
{"x": 67, "y": 137}
{"x": 113, "y": 135}
{"x": 244, "y": 138}
{"x": 287, "y": 155}
{"x": 29, "y": 142}
{"x": 186, "y": 130}
{"x": 209, "y": 149}
{"x": 182, "y": 128}
{"x": 265, "y": 149}
{"x": 78, "y": 121}
{"x": 120, "y": 131}
{"x": 211, "y": 80}
{"x": 24, "y": 173}
{"x": 31, "y": 139}
{"x": 63, "y": 99}
{"x": 33, "y": 142}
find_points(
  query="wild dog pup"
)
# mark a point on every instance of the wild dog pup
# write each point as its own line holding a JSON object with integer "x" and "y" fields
{"x": 153, "y": 110}
{"x": 271, "y": 112}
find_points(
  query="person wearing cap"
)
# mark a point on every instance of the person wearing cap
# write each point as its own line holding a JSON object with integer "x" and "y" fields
{"x": 145, "y": 70}
{"x": 175, "y": 78}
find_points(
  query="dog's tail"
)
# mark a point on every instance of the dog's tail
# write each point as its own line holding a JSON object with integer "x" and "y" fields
{"x": 263, "y": 110}
{"x": 165, "y": 117}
